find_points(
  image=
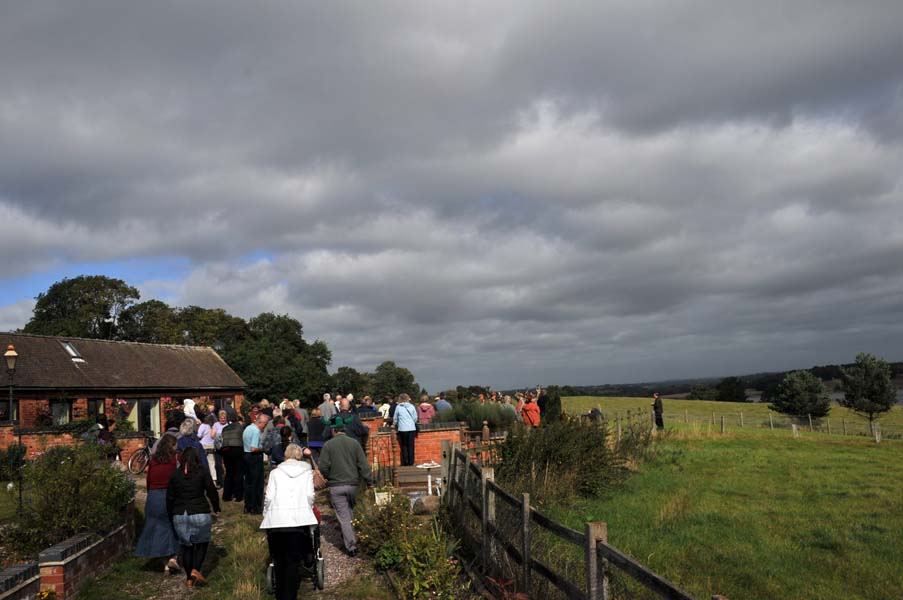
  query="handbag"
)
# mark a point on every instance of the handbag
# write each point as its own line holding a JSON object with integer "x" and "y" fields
{"x": 320, "y": 482}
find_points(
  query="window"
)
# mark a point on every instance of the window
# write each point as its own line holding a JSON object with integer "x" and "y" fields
{"x": 61, "y": 411}
{"x": 72, "y": 352}
{"x": 95, "y": 407}
{"x": 4, "y": 410}
{"x": 144, "y": 414}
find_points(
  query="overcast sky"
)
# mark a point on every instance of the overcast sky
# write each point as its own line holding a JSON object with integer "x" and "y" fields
{"x": 499, "y": 193}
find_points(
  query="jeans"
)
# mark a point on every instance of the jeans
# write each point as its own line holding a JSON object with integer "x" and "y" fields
{"x": 234, "y": 486}
{"x": 253, "y": 482}
{"x": 343, "y": 498}
{"x": 406, "y": 443}
{"x": 288, "y": 548}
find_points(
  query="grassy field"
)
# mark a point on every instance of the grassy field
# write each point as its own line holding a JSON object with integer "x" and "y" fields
{"x": 758, "y": 514}
{"x": 754, "y": 414}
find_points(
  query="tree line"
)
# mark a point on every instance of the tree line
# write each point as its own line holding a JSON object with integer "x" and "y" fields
{"x": 268, "y": 351}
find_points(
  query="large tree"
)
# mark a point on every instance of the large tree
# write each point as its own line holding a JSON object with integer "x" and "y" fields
{"x": 153, "y": 322}
{"x": 801, "y": 394}
{"x": 211, "y": 327}
{"x": 86, "y": 306}
{"x": 390, "y": 380}
{"x": 867, "y": 386}
{"x": 732, "y": 389}
{"x": 349, "y": 380}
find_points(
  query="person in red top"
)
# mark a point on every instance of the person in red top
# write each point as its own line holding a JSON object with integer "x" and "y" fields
{"x": 530, "y": 413}
{"x": 158, "y": 537}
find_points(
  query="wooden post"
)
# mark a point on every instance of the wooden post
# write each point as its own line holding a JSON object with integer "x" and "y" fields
{"x": 713, "y": 418}
{"x": 525, "y": 544}
{"x": 876, "y": 431}
{"x": 596, "y": 587}
{"x": 722, "y": 423}
{"x": 810, "y": 423}
{"x": 770, "y": 422}
{"x": 485, "y": 432}
{"x": 488, "y": 517}
{"x": 829, "y": 426}
{"x": 844, "y": 425}
{"x": 619, "y": 430}
{"x": 686, "y": 416}
{"x": 796, "y": 430}
{"x": 741, "y": 419}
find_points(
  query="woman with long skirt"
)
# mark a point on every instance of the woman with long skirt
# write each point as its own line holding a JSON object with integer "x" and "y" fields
{"x": 158, "y": 537}
{"x": 189, "y": 498}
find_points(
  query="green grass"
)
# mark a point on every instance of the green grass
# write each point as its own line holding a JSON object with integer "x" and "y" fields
{"x": 754, "y": 414}
{"x": 758, "y": 514}
{"x": 8, "y": 503}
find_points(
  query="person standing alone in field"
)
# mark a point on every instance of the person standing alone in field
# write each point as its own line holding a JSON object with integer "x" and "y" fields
{"x": 658, "y": 410}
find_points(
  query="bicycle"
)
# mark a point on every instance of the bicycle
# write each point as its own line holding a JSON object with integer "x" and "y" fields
{"x": 139, "y": 459}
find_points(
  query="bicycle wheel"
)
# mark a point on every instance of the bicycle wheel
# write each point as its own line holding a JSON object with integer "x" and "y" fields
{"x": 138, "y": 461}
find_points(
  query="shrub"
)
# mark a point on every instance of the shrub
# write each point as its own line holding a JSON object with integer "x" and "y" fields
{"x": 68, "y": 490}
{"x": 475, "y": 413}
{"x": 555, "y": 462}
{"x": 553, "y": 406}
{"x": 11, "y": 459}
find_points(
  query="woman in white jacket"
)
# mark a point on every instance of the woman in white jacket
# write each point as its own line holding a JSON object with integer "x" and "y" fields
{"x": 287, "y": 513}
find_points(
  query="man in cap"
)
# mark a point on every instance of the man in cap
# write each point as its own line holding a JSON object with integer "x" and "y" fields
{"x": 344, "y": 465}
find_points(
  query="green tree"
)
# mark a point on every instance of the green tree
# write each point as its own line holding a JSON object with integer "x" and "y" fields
{"x": 553, "y": 406}
{"x": 867, "y": 386}
{"x": 391, "y": 380}
{"x": 153, "y": 322}
{"x": 348, "y": 380}
{"x": 800, "y": 394}
{"x": 702, "y": 391}
{"x": 211, "y": 327}
{"x": 732, "y": 389}
{"x": 86, "y": 306}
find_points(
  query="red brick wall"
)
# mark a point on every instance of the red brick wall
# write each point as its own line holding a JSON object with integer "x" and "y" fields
{"x": 38, "y": 443}
{"x": 383, "y": 447}
{"x": 67, "y": 578}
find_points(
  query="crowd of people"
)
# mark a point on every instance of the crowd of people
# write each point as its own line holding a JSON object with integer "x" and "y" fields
{"x": 207, "y": 457}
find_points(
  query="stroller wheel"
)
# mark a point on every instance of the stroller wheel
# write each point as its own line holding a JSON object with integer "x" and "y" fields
{"x": 271, "y": 578}
{"x": 320, "y": 581}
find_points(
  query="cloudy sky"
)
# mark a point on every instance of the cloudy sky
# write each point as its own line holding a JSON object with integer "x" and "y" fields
{"x": 501, "y": 193}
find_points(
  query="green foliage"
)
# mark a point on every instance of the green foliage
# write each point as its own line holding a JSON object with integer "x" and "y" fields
{"x": 68, "y": 490}
{"x": 732, "y": 389}
{"x": 86, "y": 306}
{"x": 475, "y": 413}
{"x": 152, "y": 322}
{"x": 212, "y": 327}
{"x": 11, "y": 459}
{"x": 702, "y": 391}
{"x": 557, "y": 461}
{"x": 349, "y": 380}
{"x": 418, "y": 552}
{"x": 553, "y": 406}
{"x": 867, "y": 386}
{"x": 801, "y": 394}
{"x": 390, "y": 380}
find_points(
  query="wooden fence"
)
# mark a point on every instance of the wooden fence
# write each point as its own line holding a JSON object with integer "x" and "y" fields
{"x": 471, "y": 494}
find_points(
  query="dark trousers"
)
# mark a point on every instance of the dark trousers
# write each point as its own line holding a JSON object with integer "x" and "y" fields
{"x": 253, "y": 482}
{"x": 288, "y": 548}
{"x": 659, "y": 421}
{"x": 234, "y": 486}
{"x": 218, "y": 467}
{"x": 406, "y": 443}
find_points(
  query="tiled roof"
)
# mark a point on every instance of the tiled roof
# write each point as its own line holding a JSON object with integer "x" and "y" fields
{"x": 44, "y": 363}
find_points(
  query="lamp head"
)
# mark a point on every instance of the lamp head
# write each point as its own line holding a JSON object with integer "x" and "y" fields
{"x": 11, "y": 356}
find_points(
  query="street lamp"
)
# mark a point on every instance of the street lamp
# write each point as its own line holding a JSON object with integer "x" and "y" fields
{"x": 11, "y": 357}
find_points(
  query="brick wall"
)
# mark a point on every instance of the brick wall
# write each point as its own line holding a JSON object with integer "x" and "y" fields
{"x": 383, "y": 445}
{"x": 20, "y": 582}
{"x": 39, "y": 442}
{"x": 64, "y": 568}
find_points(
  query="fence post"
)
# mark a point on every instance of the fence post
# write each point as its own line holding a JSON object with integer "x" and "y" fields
{"x": 829, "y": 426}
{"x": 876, "y": 431}
{"x": 741, "y": 419}
{"x": 796, "y": 430}
{"x": 486, "y": 431}
{"x": 713, "y": 418}
{"x": 596, "y": 587}
{"x": 810, "y": 423}
{"x": 686, "y": 416}
{"x": 525, "y": 544}
{"x": 488, "y": 517}
{"x": 844, "y": 425}
{"x": 770, "y": 421}
{"x": 619, "y": 430}
{"x": 722, "y": 423}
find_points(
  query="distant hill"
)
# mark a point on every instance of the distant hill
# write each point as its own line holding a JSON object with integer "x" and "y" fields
{"x": 764, "y": 382}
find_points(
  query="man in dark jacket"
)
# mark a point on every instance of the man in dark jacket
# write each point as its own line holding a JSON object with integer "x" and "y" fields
{"x": 354, "y": 428}
{"x": 344, "y": 465}
{"x": 229, "y": 445}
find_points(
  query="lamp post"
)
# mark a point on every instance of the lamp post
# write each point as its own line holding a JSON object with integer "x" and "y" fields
{"x": 11, "y": 357}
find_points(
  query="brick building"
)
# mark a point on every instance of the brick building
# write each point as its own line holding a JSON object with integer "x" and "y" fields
{"x": 61, "y": 379}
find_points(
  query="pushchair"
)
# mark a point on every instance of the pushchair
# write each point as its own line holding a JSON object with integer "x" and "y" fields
{"x": 317, "y": 572}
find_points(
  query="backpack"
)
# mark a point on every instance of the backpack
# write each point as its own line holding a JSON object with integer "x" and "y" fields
{"x": 271, "y": 439}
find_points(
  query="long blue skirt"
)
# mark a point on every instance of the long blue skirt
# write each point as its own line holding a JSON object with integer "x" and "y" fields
{"x": 158, "y": 537}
